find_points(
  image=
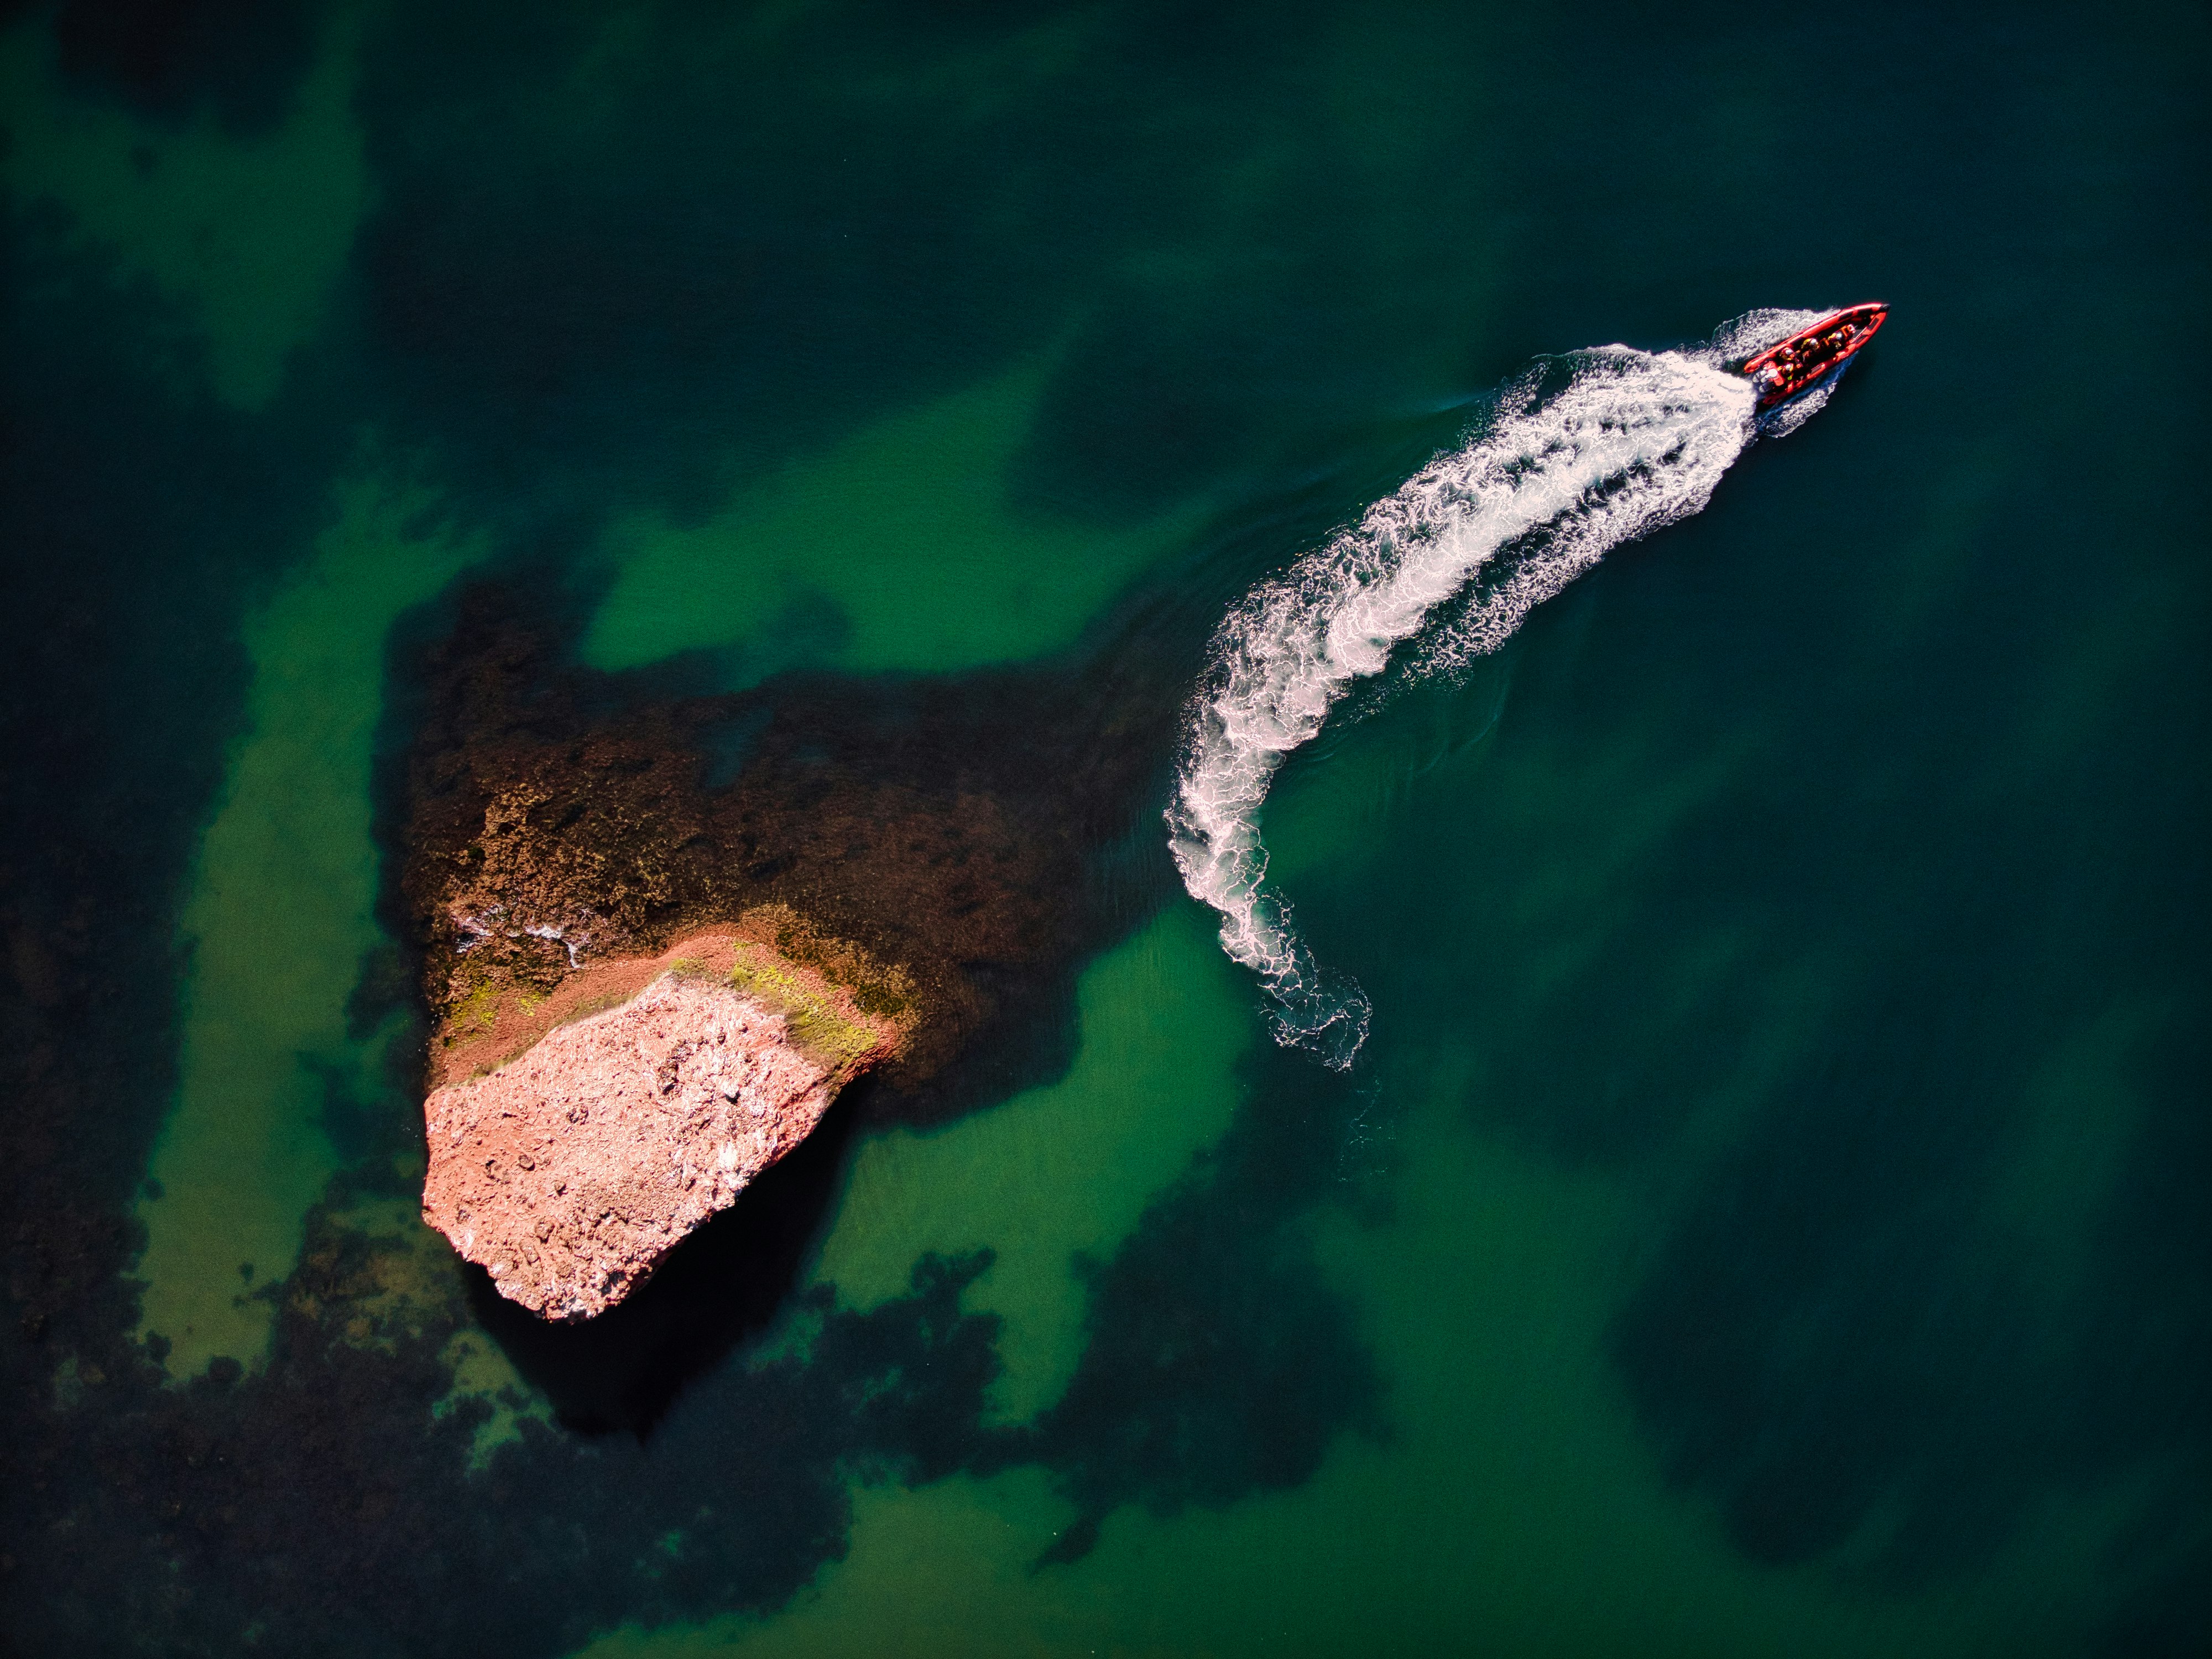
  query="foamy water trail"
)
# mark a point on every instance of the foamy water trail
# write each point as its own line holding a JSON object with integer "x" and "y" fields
{"x": 1578, "y": 457}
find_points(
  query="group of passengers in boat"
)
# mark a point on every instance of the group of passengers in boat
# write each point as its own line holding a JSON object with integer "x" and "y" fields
{"x": 1788, "y": 363}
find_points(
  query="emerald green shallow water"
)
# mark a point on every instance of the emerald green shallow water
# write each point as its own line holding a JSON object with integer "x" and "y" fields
{"x": 1766, "y": 1212}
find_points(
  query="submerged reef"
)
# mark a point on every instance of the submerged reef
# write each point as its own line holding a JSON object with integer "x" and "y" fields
{"x": 925, "y": 850}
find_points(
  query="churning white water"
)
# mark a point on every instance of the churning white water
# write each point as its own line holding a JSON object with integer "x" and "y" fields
{"x": 1582, "y": 454}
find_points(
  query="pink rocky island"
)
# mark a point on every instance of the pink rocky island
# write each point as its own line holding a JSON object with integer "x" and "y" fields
{"x": 575, "y": 1138}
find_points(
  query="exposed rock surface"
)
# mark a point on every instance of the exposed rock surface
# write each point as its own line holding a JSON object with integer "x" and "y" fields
{"x": 569, "y": 1171}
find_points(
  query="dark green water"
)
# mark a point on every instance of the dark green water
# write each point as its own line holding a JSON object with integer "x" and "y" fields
{"x": 1768, "y": 1214}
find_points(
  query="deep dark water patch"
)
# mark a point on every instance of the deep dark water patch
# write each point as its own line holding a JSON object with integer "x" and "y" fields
{"x": 1218, "y": 1363}
{"x": 114, "y": 484}
{"x": 752, "y": 233}
{"x": 127, "y": 565}
{"x": 324, "y": 1509}
{"x": 1838, "y": 1348}
{"x": 240, "y": 60}
{"x": 715, "y": 259}
{"x": 1849, "y": 1223}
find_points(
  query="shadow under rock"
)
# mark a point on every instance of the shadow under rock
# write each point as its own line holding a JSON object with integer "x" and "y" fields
{"x": 721, "y": 1286}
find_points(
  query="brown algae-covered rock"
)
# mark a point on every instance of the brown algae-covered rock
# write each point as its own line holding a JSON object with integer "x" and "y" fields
{"x": 927, "y": 841}
{"x": 645, "y": 1095}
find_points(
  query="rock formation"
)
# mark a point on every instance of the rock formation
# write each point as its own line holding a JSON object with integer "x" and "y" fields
{"x": 909, "y": 865}
{"x": 622, "y": 1111}
{"x": 552, "y": 817}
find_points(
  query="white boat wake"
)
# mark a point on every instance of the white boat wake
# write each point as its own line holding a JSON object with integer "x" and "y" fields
{"x": 1580, "y": 455}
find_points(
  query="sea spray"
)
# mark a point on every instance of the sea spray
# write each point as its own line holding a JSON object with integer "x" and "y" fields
{"x": 1582, "y": 454}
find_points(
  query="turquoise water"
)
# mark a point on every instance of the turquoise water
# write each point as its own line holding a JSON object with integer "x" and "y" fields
{"x": 1762, "y": 1211}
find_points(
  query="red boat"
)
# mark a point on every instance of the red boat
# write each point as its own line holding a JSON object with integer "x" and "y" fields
{"x": 1813, "y": 355}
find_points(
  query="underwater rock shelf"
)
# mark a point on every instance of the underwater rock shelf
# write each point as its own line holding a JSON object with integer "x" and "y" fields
{"x": 607, "y": 1120}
